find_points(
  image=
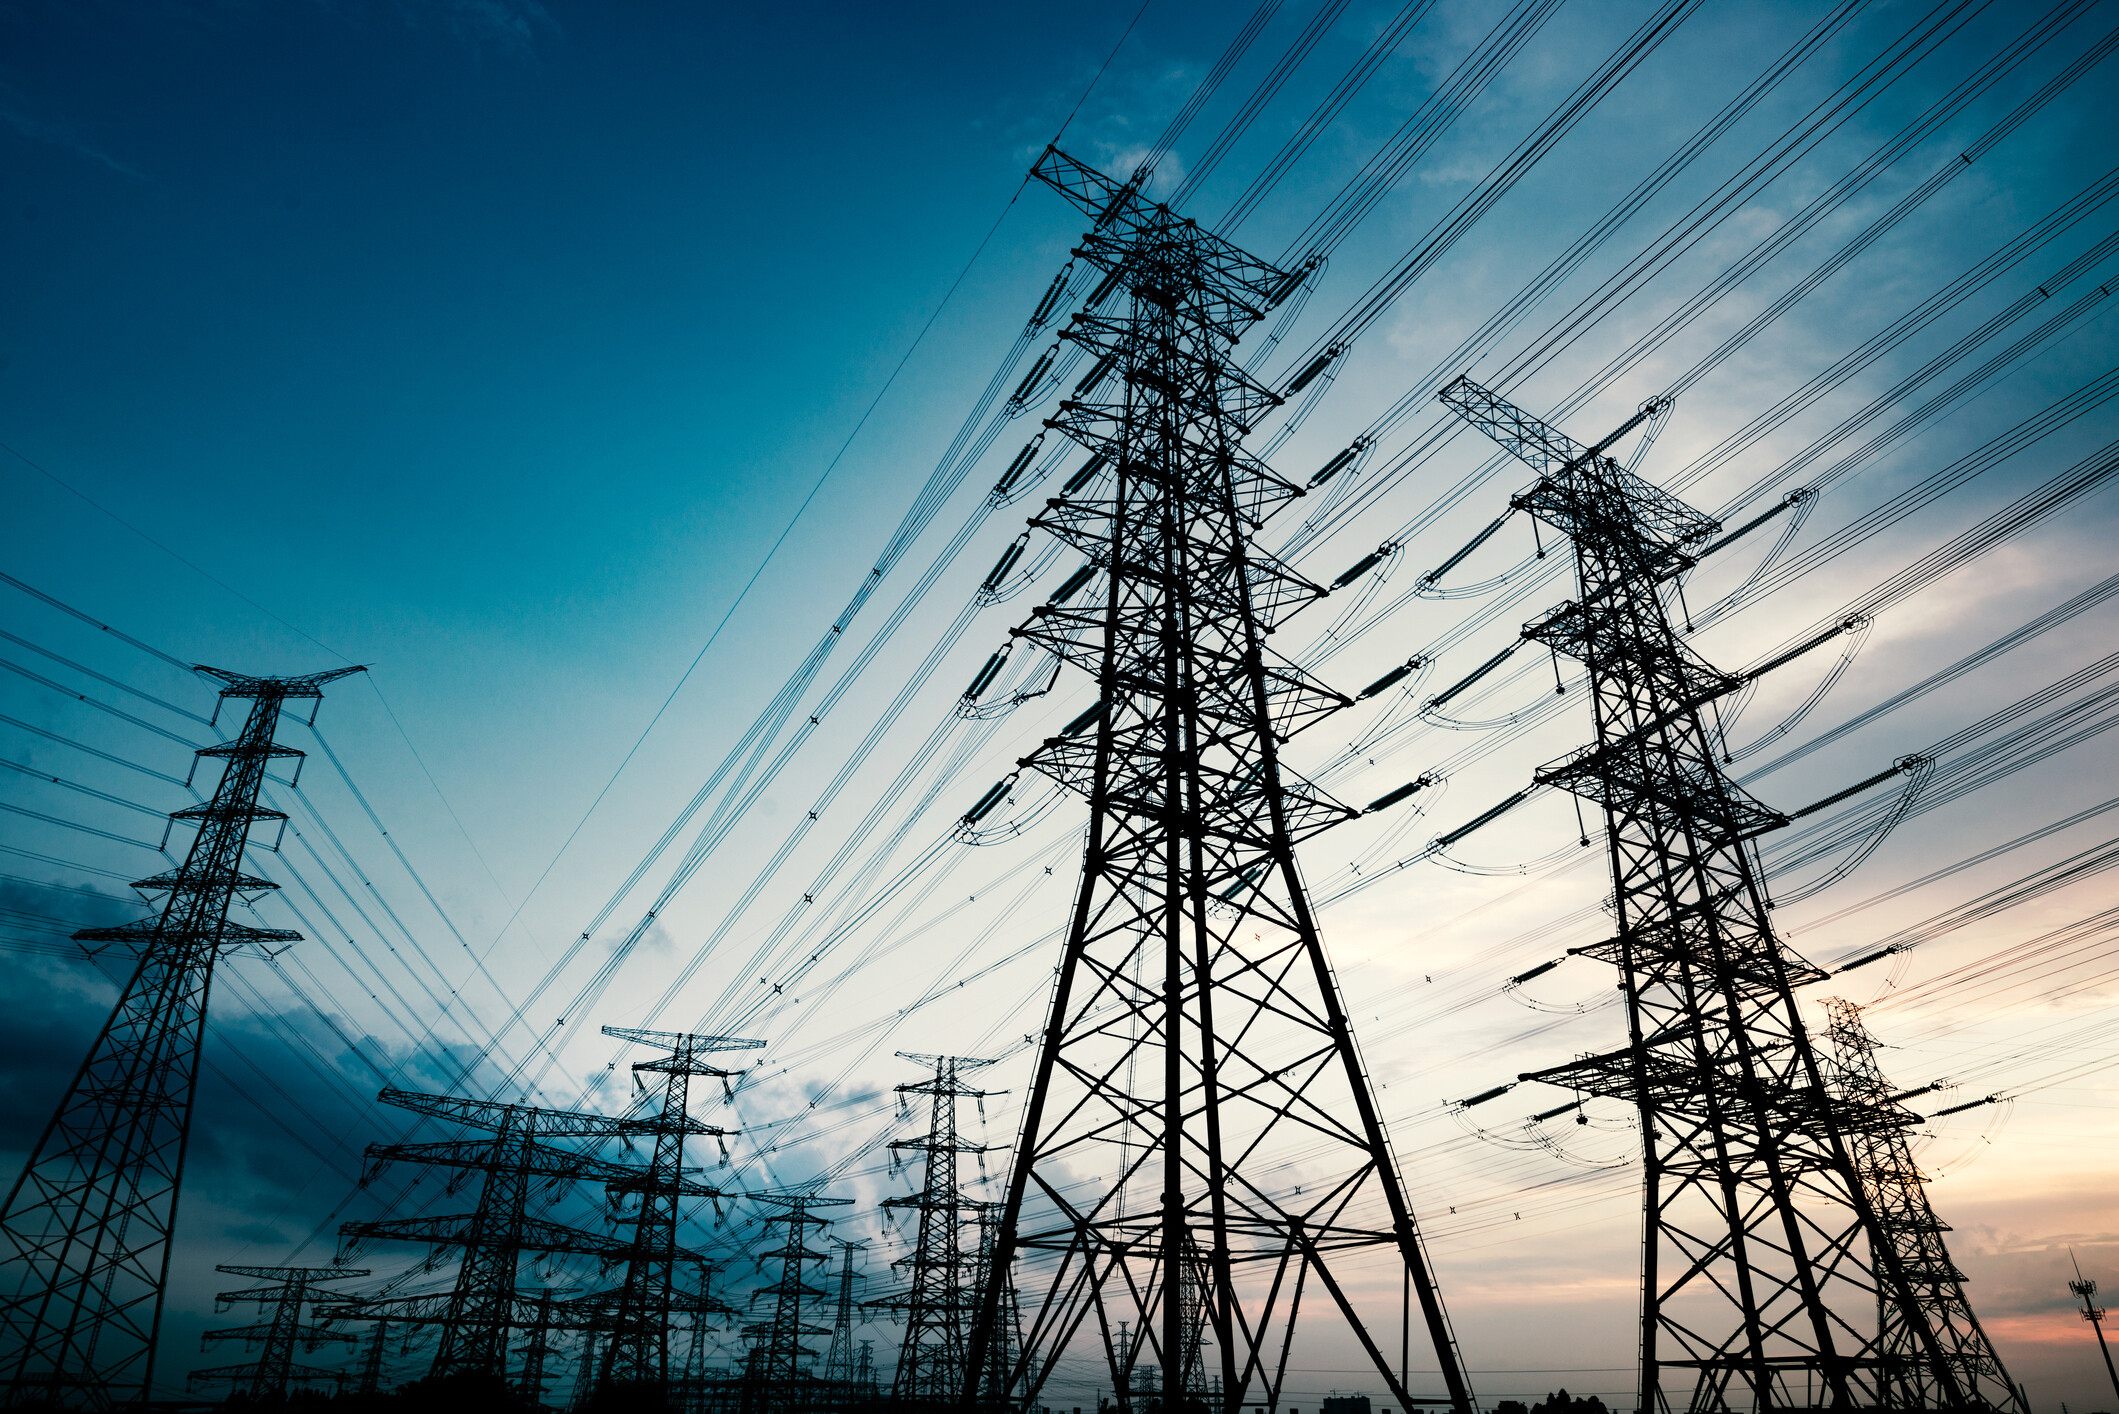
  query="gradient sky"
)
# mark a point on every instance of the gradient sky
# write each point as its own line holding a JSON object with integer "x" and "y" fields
{"x": 494, "y": 344}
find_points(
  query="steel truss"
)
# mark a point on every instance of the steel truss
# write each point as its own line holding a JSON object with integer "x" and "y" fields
{"x": 85, "y": 1235}
{"x": 276, "y": 1336}
{"x": 776, "y": 1372}
{"x": 1763, "y": 1262}
{"x": 1198, "y": 1101}
{"x": 476, "y": 1315}
{"x": 938, "y": 1298}
{"x": 638, "y": 1351}
{"x": 1883, "y": 1157}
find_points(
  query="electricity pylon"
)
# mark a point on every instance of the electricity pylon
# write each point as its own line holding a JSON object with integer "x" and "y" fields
{"x": 375, "y": 1359}
{"x": 1197, "y": 1086}
{"x": 839, "y": 1356}
{"x": 476, "y": 1314}
{"x": 1762, "y": 1263}
{"x": 776, "y": 1373}
{"x": 638, "y": 1351}
{"x": 546, "y": 1316}
{"x": 1008, "y": 1325}
{"x": 276, "y": 1336}
{"x": 937, "y": 1298}
{"x": 85, "y": 1234}
{"x": 1876, "y": 1124}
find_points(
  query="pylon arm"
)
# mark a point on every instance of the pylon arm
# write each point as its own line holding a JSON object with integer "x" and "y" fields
{"x": 148, "y": 930}
{"x": 537, "y": 1235}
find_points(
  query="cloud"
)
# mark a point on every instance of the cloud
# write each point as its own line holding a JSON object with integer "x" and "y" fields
{"x": 25, "y": 124}
{"x": 510, "y": 27}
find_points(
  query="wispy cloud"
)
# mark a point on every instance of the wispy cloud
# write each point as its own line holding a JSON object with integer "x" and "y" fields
{"x": 16, "y": 115}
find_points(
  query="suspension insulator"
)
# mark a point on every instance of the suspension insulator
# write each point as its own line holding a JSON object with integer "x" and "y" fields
{"x": 1052, "y": 297}
{"x": 1082, "y": 478}
{"x": 1539, "y": 971}
{"x": 1095, "y": 376}
{"x": 1241, "y": 882}
{"x": 1391, "y": 678}
{"x": 986, "y": 675}
{"x": 1031, "y": 379}
{"x": 1339, "y": 463}
{"x": 1309, "y": 375}
{"x": 1104, "y": 289}
{"x": 1385, "y": 802}
{"x": 1364, "y": 565}
{"x": 1293, "y": 282}
{"x": 1016, "y": 467}
{"x": 1006, "y": 563}
{"x": 1073, "y": 585}
{"x": 1082, "y": 723}
{"x": 989, "y": 800}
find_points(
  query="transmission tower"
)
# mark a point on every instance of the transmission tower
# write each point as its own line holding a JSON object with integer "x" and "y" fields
{"x": 839, "y": 1357}
{"x": 638, "y": 1350}
{"x": 1007, "y": 1338}
{"x": 476, "y": 1315}
{"x": 374, "y": 1359}
{"x": 1761, "y": 1249}
{"x": 1196, "y": 1045}
{"x": 1876, "y": 1124}
{"x": 776, "y": 1374}
{"x": 938, "y": 1298}
{"x": 864, "y": 1371}
{"x": 276, "y": 1336}
{"x": 694, "y": 1390}
{"x": 88, "y": 1225}
{"x": 2083, "y": 1287}
{"x": 545, "y": 1318}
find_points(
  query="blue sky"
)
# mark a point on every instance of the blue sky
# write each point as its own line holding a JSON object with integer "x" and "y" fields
{"x": 494, "y": 345}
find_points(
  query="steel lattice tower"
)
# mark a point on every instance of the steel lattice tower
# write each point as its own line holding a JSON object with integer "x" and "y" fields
{"x": 839, "y": 1356}
{"x": 638, "y": 1351}
{"x": 1761, "y": 1252}
{"x": 88, "y": 1225}
{"x": 373, "y": 1359}
{"x": 1876, "y": 1124}
{"x": 1196, "y": 1041}
{"x": 545, "y": 1318}
{"x": 276, "y": 1336}
{"x": 776, "y": 1374}
{"x": 938, "y": 1297}
{"x": 476, "y": 1315}
{"x": 1007, "y": 1335}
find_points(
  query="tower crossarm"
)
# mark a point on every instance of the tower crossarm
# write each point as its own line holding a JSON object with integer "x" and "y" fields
{"x": 537, "y": 1160}
{"x": 463, "y": 1229}
{"x": 495, "y": 1115}
{"x": 1226, "y": 287}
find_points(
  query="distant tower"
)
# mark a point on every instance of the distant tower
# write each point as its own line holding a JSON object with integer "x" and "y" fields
{"x": 638, "y": 1351}
{"x": 477, "y": 1313}
{"x": 276, "y": 1336}
{"x": 776, "y": 1373}
{"x": 939, "y": 1299}
{"x": 85, "y": 1233}
{"x": 373, "y": 1359}
{"x": 1876, "y": 1127}
{"x": 839, "y": 1359}
{"x": 537, "y": 1350}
